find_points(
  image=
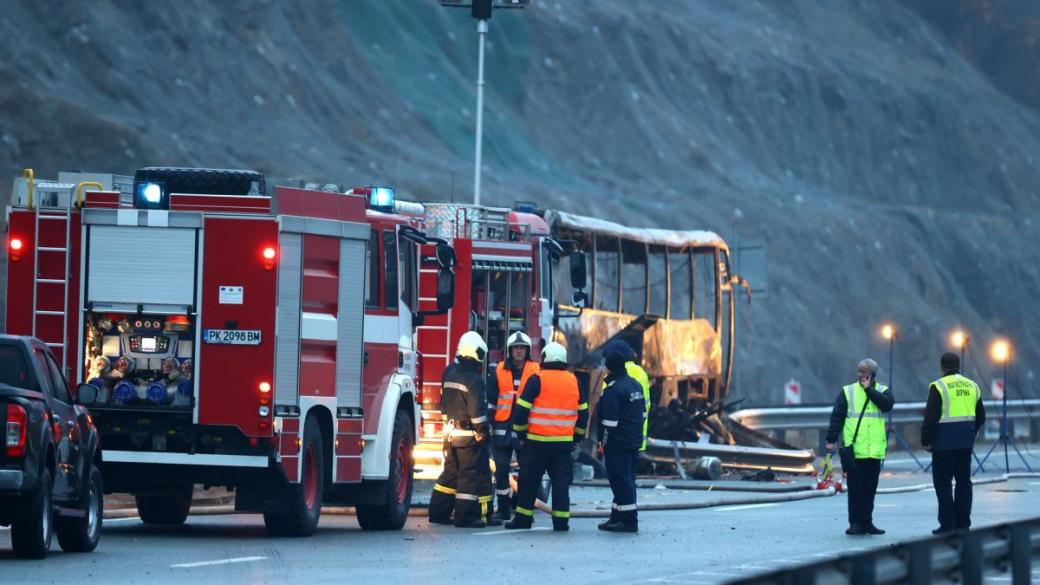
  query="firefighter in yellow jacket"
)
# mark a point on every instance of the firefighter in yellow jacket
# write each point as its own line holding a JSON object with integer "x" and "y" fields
{"x": 550, "y": 416}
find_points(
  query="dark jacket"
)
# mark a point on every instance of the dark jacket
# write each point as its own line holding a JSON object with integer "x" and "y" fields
{"x": 951, "y": 435}
{"x": 883, "y": 400}
{"x": 534, "y": 387}
{"x": 462, "y": 396}
{"x": 620, "y": 412}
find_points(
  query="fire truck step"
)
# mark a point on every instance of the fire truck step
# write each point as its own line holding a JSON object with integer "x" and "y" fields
{"x": 52, "y": 216}
{"x": 49, "y": 249}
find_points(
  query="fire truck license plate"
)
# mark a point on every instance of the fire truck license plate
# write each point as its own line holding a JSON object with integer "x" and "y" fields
{"x": 232, "y": 336}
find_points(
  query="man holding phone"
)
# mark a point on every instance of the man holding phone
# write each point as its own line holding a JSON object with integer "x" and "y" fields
{"x": 858, "y": 416}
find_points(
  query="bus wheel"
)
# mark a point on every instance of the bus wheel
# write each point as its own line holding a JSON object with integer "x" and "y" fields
{"x": 303, "y": 508}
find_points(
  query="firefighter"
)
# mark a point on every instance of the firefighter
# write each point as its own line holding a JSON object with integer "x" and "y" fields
{"x": 464, "y": 487}
{"x": 953, "y": 416}
{"x": 550, "y": 416}
{"x": 621, "y": 412}
{"x": 505, "y": 384}
{"x": 857, "y": 414}
{"x": 637, "y": 373}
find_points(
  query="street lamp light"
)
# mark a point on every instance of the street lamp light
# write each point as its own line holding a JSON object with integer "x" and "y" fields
{"x": 481, "y": 10}
{"x": 960, "y": 340}
{"x": 889, "y": 332}
{"x": 1000, "y": 352}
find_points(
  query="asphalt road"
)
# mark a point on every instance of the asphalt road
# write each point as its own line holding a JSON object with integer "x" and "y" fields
{"x": 692, "y": 547}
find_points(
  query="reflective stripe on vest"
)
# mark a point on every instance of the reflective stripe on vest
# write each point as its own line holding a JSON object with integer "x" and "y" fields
{"x": 509, "y": 388}
{"x": 959, "y": 397}
{"x": 554, "y": 412}
{"x": 871, "y": 443}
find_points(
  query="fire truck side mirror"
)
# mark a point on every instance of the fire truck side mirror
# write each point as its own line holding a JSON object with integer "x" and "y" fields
{"x": 86, "y": 394}
{"x": 445, "y": 290}
{"x": 579, "y": 271}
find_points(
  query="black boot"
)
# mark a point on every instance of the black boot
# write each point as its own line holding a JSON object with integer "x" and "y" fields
{"x": 492, "y": 518}
{"x": 560, "y": 524}
{"x": 628, "y": 523}
{"x": 467, "y": 515}
{"x": 505, "y": 509}
{"x": 520, "y": 521}
{"x": 614, "y": 519}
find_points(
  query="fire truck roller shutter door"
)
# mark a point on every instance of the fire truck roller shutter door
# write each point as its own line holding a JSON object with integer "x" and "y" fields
{"x": 350, "y": 322}
{"x": 287, "y": 352}
{"x": 133, "y": 264}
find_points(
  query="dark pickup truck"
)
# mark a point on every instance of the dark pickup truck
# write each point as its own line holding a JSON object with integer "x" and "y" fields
{"x": 50, "y": 479}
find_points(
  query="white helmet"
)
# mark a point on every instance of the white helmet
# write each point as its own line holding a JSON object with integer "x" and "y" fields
{"x": 554, "y": 352}
{"x": 519, "y": 338}
{"x": 471, "y": 345}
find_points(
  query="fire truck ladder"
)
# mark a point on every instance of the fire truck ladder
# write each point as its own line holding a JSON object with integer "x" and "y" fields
{"x": 53, "y": 214}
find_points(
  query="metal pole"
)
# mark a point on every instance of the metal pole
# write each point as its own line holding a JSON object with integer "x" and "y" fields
{"x": 1003, "y": 422}
{"x": 482, "y": 28}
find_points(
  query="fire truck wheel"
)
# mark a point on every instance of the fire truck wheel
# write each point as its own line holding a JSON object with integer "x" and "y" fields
{"x": 83, "y": 534}
{"x": 167, "y": 507}
{"x": 392, "y": 514}
{"x": 32, "y": 530}
{"x": 303, "y": 507}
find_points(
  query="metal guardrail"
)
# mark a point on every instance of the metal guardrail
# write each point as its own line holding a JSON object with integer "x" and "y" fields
{"x": 966, "y": 557}
{"x": 818, "y": 417}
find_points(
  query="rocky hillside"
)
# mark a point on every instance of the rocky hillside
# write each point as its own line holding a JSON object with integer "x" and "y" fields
{"x": 891, "y": 171}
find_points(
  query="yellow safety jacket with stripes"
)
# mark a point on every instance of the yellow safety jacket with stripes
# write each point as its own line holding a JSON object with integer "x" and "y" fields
{"x": 960, "y": 397}
{"x": 871, "y": 442}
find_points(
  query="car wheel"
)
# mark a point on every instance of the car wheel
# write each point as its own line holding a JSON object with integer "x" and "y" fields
{"x": 32, "y": 530}
{"x": 83, "y": 534}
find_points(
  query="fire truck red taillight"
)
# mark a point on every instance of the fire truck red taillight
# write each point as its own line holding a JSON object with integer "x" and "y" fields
{"x": 269, "y": 254}
{"x": 16, "y": 245}
{"x": 265, "y": 393}
{"x": 15, "y": 435}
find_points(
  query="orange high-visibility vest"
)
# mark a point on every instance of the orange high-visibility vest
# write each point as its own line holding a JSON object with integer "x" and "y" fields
{"x": 554, "y": 412}
{"x": 508, "y": 388}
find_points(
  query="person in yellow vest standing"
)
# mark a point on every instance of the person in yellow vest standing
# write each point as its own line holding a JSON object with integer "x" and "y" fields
{"x": 550, "y": 417}
{"x": 953, "y": 416}
{"x": 505, "y": 383}
{"x": 857, "y": 415}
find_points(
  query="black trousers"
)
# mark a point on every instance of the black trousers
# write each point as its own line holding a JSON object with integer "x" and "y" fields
{"x": 862, "y": 486}
{"x": 954, "y": 504}
{"x": 464, "y": 487}
{"x": 536, "y": 459}
{"x": 503, "y": 455}
{"x": 621, "y": 473}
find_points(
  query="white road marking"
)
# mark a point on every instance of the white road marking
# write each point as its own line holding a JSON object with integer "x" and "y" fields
{"x": 744, "y": 507}
{"x": 217, "y": 562}
{"x": 518, "y": 531}
{"x": 109, "y": 520}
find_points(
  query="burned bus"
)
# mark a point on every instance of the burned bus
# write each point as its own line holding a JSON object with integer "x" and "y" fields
{"x": 670, "y": 295}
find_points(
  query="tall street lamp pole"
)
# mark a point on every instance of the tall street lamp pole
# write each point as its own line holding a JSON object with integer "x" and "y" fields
{"x": 481, "y": 11}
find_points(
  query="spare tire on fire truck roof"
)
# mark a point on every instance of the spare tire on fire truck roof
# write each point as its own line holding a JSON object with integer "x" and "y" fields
{"x": 203, "y": 181}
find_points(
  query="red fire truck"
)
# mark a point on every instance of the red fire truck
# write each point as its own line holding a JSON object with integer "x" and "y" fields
{"x": 230, "y": 334}
{"x": 505, "y": 264}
